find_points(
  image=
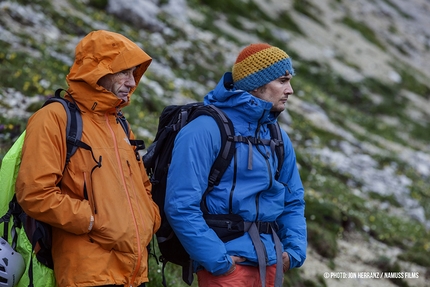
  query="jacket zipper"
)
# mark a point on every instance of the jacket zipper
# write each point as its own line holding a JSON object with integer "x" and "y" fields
{"x": 286, "y": 185}
{"x": 139, "y": 249}
{"x": 89, "y": 196}
{"x": 230, "y": 204}
{"x": 134, "y": 189}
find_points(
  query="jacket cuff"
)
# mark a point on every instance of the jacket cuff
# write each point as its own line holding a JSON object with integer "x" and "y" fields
{"x": 295, "y": 259}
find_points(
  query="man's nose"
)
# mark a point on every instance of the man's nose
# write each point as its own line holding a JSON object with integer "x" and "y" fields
{"x": 289, "y": 90}
{"x": 130, "y": 82}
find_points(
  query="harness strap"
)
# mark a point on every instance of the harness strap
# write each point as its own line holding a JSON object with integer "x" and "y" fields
{"x": 6, "y": 219}
{"x": 138, "y": 144}
{"x": 253, "y": 140}
{"x": 260, "y": 250}
{"x": 274, "y": 144}
{"x": 279, "y": 264}
{"x": 14, "y": 211}
{"x": 162, "y": 271}
{"x": 254, "y": 229}
{"x": 276, "y": 134}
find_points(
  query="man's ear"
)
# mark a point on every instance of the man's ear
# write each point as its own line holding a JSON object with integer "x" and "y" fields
{"x": 254, "y": 92}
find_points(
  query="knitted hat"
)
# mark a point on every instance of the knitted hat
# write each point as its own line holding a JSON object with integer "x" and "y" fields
{"x": 259, "y": 64}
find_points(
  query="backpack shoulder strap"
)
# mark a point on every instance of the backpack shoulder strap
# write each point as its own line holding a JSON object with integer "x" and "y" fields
{"x": 227, "y": 147}
{"x": 276, "y": 135}
{"x": 74, "y": 124}
{"x": 139, "y": 144}
{"x": 227, "y": 142}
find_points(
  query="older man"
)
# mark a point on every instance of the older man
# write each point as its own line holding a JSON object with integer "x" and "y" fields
{"x": 100, "y": 206}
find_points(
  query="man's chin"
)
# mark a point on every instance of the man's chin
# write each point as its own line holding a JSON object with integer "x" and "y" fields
{"x": 123, "y": 98}
{"x": 279, "y": 109}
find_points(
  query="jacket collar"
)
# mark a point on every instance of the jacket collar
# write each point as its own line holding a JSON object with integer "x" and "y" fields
{"x": 246, "y": 106}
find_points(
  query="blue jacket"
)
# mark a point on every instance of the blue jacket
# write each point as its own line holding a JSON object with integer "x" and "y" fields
{"x": 253, "y": 192}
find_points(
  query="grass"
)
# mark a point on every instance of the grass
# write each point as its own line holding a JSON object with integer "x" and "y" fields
{"x": 306, "y": 8}
{"x": 30, "y": 75}
{"x": 322, "y": 240}
{"x": 99, "y": 4}
{"x": 172, "y": 272}
{"x": 386, "y": 264}
{"x": 10, "y": 129}
{"x": 365, "y": 31}
{"x": 398, "y": 10}
{"x": 331, "y": 92}
{"x": 332, "y": 211}
{"x": 231, "y": 9}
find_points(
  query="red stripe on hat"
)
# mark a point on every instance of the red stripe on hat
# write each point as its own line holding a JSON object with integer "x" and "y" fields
{"x": 250, "y": 50}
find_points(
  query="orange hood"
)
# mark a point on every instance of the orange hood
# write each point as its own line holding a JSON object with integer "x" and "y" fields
{"x": 98, "y": 54}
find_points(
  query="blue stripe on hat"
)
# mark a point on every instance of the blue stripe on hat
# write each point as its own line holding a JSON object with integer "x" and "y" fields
{"x": 265, "y": 76}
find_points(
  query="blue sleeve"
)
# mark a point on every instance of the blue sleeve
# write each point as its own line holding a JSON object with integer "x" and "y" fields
{"x": 292, "y": 222}
{"x": 196, "y": 147}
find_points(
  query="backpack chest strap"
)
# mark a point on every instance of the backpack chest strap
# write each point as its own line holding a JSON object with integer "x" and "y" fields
{"x": 253, "y": 141}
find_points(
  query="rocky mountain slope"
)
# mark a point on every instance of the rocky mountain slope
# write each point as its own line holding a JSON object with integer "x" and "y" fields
{"x": 359, "y": 118}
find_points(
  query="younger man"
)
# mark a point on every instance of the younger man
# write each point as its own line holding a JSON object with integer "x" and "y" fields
{"x": 252, "y": 96}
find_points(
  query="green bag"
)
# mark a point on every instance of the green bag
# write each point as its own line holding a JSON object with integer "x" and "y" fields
{"x": 9, "y": 172}
{"x": 43, "y": 276}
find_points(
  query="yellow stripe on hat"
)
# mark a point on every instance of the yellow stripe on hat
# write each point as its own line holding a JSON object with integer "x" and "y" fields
{"x": 257, "y": 61}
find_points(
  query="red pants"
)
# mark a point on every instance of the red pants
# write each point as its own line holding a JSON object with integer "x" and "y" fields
{"x": 242, "y": 276}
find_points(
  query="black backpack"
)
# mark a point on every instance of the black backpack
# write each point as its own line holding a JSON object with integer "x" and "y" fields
{"x": 39, "y": 233}
{"x": 157, "y": 161}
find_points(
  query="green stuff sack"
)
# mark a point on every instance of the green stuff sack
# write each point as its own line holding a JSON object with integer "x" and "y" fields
{"x": 43, "y": 276}
{"x": 8, "y": 173}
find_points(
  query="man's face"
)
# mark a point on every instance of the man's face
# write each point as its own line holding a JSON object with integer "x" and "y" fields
{"x": 119, "y": 83}
{"x": 276, "y": 92}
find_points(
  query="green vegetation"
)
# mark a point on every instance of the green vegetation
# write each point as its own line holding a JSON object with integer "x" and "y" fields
{"x": 172, "y": 272}
{"x": 385, "y": 264}
{"x": 398, "y": 10}
{"x": 99, "y": 4}
{"x": 365, "y": 31}
{"x": 235, "y": 10}
{"x": 27, "y": 75}
{"x": 307, "y": 8}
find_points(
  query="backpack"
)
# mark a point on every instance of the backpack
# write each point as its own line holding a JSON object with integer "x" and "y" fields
{"x": 28, "y": 234}
{"x": 157, "y": 161}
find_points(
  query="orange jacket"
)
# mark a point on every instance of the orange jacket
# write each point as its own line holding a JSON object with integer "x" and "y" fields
{"x": 118, "y": 194}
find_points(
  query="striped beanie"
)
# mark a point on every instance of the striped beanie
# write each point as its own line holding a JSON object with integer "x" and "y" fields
{"x": 259, "y": 64}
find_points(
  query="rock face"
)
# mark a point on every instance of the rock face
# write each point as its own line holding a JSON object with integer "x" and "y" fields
{"x": 359, "y": 118}
{"x": 398, "y": 26}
